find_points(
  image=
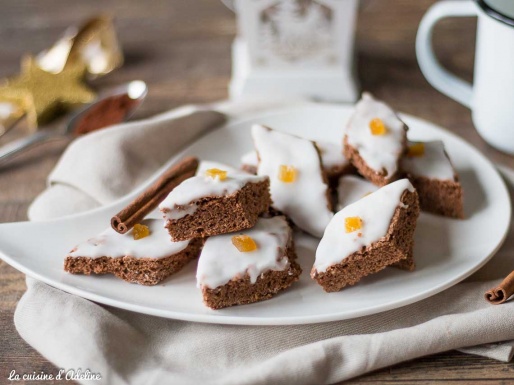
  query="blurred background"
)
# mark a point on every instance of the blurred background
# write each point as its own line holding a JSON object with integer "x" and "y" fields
{"x": 182, "y": 48}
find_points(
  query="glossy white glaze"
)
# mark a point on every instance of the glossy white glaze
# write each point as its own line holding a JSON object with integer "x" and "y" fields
{"x": 376, "y": 212}
{"x": 109, "y": 243}
{"x": 433, "y": 164}
{"x": 380, "y": 152}
{"x": 180, "y": 201}
{"x": 331, "y": 156}
{"x": 221, "y": 261}
{"x": 304, "y": 200}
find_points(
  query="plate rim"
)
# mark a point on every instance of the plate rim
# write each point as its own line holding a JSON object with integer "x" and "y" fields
{"x": 267, "y": 321}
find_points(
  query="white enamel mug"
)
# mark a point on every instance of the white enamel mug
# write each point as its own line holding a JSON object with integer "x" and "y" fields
{"x": 491, "y": 97}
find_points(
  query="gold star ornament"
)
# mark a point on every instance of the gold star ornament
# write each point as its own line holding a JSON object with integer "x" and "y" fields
{"x": 94, "y": 44}
{"x": 43, "y": 95}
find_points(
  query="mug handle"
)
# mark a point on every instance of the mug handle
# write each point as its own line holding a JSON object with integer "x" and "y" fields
{"x": 440, "y": 78}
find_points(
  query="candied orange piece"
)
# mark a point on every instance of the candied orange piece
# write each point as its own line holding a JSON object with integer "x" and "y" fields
{"x": 377, "y": 127}
{"x": 216, "y": 173}
{"x": 352, "y": 224}
{"x": 286, "y": 174}
{"x": 416, "y": 149}
{"x": 244, "y": 243}
{"x": 140, "y": 231}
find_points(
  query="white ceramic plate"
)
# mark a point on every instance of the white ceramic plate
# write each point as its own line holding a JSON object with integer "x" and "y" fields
{"x": 446, "y": 250}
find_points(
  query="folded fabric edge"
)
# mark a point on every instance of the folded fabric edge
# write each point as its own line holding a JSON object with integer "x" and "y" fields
{"x": 500, "y": 351}
{"x": 59, "y": 200}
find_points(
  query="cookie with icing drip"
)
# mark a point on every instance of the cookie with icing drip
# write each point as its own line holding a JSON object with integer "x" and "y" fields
{"x": 375, "y": 140}
{"x": 333, "y": 161}
{"x": 228, "y": 275}
{"x": 146, "y": 261}
{"x": 204, "y": 205}
{"x": 352, "y": 188}
{"x": 431, "y": 171}
{"x": 388, "y": 220}
{"x": 305, "y": 198}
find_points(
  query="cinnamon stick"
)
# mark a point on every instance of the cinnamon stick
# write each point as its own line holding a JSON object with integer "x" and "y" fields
{"x": 153, "y": 195}
{"x": 501, "y": 293}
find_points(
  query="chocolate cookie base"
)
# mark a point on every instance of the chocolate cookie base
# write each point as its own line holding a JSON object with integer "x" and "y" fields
{"x": 337, "y": 172}
{"x": 394, "y": 247}
{"x": 144, "y": 271}
{"x": 443, "y": 197}
{"x": 407, "y": 264}
{"x": 379, "y": 178}
{"x": 243, "y": 291}
{"x": 221, "y": 215}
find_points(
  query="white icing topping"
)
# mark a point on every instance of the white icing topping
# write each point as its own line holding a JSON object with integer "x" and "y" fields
{"x": 351, "y": 188}
{"x": 305, "y": 199}
{"x": 221, "y": 261}
{"x": 380, "y": 152}
{"x": 180, "y": 212}
{"x": 331, "y": 156}
{"x": 250, "y": 159}
{"x": 376, "y": 211}
{"x": 433, "y": 164}
{"x": 109, "y": 243}
{"x": 207, "y": 164}
{"x": 181, "y": 200}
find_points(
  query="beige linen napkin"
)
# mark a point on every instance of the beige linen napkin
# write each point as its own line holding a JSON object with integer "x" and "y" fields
{"x": 131, "y": 348}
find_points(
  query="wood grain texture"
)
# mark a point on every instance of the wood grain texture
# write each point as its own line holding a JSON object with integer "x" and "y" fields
{"x": 181, "y": 48}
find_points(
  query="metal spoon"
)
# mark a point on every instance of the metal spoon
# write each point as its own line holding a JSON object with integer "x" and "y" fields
{"x": 83, "y": 121}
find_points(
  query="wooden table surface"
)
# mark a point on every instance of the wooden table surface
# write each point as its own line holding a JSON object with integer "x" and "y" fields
{"x": 181, "y": 48}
